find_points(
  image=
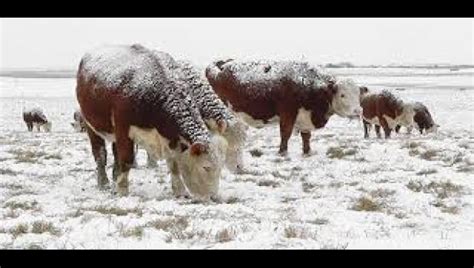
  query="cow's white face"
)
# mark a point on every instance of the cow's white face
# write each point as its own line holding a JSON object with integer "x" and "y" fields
{"x": 236, "y": 135}
{"x": 433, "y": 129}
{"x": 346, "y": 99}
{"x": 201, "y": 167}
{"x": 47, "y": 126}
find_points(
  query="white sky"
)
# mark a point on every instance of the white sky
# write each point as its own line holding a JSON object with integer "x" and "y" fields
{"x": 60, "y": 43}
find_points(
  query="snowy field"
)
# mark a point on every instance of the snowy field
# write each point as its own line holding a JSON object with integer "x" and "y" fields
{"x": 407, "y": 192}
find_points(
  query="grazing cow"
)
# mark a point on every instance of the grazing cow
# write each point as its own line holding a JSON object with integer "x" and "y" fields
{"x": 79, "y": 125}
{"x": 422, "y": 120}
{"x": 35, "y": 117}
{"x": 385, "y": 110}
{"x": 215, "y": 113}
{"x": 126, "y": 96}
{"x": 295, "y": 94}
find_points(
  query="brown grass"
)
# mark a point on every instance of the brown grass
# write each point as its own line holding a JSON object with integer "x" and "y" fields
{"x": 366, "y": 204}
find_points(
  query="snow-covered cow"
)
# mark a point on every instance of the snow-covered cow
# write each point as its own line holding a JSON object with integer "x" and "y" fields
{"x": 78, "y": 124}
{"x": 383, "y": 109}
{"x": 215, "y": 113}
{"x": 126, "y": 96}
{"x": 34, "y": 117}
{"x": 423, "y": 121}
{"x": 296, "y": 94}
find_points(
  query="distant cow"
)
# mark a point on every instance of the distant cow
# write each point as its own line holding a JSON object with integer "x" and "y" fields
{"x": 35, "y": 117}
{"x": 214, "y": 112}
{"x": 422, "y": 120}
{"x": 79, "y": 125}
{"x": 295, "y": 94}
{"x": 385, "y": 110}
{"x": 126, "y": 96}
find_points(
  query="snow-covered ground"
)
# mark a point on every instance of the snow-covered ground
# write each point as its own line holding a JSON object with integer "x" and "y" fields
{"x": 408, "y": 192}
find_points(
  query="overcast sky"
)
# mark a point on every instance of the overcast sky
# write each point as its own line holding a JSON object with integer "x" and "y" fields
{"x": 60, "y": 43}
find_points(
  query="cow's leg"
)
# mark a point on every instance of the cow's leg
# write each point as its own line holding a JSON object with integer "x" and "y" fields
{"x": 287, "y": 121}
{"x": 29, "y": 126}
{"x": 421, "y": 130}
{"x": 125, "y": 153}
{"x": 115, "y": 170}
{"x": 385, "y": 127}
{"x": 176, "y": 184}
{"x": 135, "y": 164}
{"x": 397, "y": 128}
{"x": 377, "y": 131}
{"x": 306, "y": 136}
{"x": 366, "y": 128}
{"x": 409, "y": 129}
{"x": 38, "y": 127}
{"x": 150, "y": 161}
{"x": 100, "y": 156}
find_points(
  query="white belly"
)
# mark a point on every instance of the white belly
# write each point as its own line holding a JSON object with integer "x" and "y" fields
{"x": 303, "y": 120}
{"x": 374, "y": 120}
{"x": 110, "y": 137}
{"x": 151, "y": 140}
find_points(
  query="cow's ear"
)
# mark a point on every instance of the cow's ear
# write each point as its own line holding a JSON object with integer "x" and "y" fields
{"x": 331, "y": 88}
{"x": 363, "y": 90}
{"x": 183, "y": 147}
{"x": 221, "y": 126}
{"x": 197, "y": 149}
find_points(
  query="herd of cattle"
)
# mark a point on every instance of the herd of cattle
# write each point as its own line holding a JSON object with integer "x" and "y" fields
{"x": 197, "y": 122}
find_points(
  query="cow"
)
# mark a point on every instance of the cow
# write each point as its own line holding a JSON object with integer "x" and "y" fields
{"x": 295, "y": 94}
{"x": 422, "y": 120}
{"x": 35, "y": 117}
{"x": 126, "y": 97}
{"x": 215, "y": 113}
{"x": 78, "y": 124}
{"x": 383, "y": 109}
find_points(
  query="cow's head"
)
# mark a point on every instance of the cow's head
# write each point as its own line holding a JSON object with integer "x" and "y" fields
{"x": 236, "y": 135}
{"x": 47, "y": 126}
{"x": 201, "y": 165}
{"x": 345, "y": 95}
{"x": 433, "y": 128}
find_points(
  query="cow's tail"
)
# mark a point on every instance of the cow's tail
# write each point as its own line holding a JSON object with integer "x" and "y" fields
{"x": 213, "y": 69}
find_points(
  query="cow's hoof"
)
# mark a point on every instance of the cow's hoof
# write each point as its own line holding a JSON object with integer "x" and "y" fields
{"x": 283, "y": 153}
{"x": 307, "y": 154}
{"x": 121, "y": 191}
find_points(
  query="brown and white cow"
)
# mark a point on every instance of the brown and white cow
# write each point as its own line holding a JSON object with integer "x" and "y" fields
{"x": 215, "y": 113}
{"x": 295, "y": 94}
{"x": 126, "y": 96}
{"x": 423, "y": 121}
{"x": 385, "y": 110}
{"x": 35, "y": 117}
{"x": 78, "y": 124}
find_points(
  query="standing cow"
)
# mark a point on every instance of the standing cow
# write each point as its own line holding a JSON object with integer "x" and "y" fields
{"x": 126, "y": 96}
{"x": 294, "y": 93}
{"x": 78, "y": 124}
{"x": 215, "y": 113}
{"x": 385, "y": 110}
{"x": 422, "y": 120}
{"x": 35, "y": 117}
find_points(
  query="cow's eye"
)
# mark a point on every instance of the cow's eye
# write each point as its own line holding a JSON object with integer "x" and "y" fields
{"x": 342, "y": 95}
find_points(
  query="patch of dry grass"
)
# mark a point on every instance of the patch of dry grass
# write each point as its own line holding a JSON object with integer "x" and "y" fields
{"x": 366, "y": 204}
{"x": 8, "y": 171}
{"x": 25, "y": 205}
{"x": 440, "y": 189}
{"x": 116, "y": 210}
{"x": 340, "y": 152}
{"x": 26, "y": 156}
{"x": 40, "y": 227}
{"x": 268, "y": 183}
{"x": 256, "y": 152}
{"x": 426, "y": 171}
{"x": 174, "y": 225}
{"x": 136, "y": 231}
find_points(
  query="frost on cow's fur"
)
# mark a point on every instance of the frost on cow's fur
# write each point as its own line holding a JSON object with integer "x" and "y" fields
{"x": 139, "y": 73}
{"x": 211, "y": 107}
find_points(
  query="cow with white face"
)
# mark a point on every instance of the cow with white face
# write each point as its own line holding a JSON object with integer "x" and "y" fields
{"x": 34, "y": 117}
{"x": 126, "y": 96}
{"x": 295, "y": 94}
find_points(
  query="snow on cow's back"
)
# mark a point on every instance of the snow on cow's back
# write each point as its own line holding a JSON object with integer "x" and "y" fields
{"x": 138, "y": 73}
{"x": 264, "y": 71}
{"x": 113, "y": 65}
